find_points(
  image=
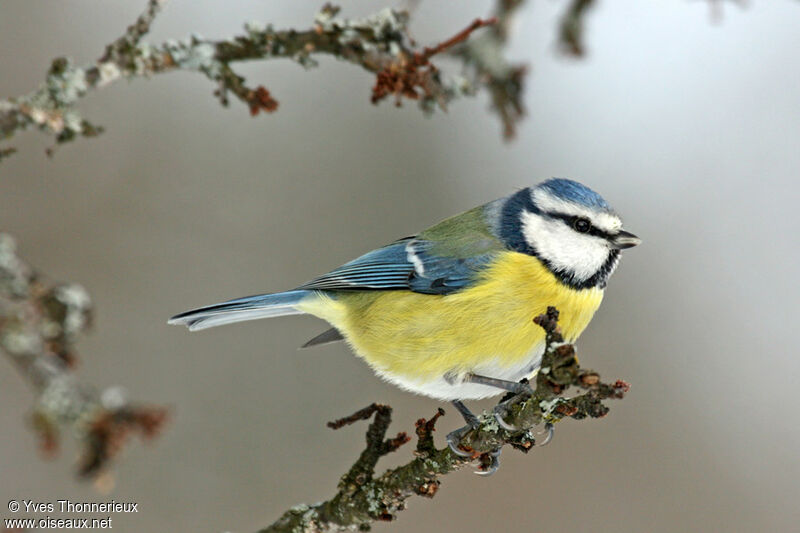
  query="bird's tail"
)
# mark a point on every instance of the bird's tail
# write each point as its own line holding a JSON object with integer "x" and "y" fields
{"x": 241, "y": 309}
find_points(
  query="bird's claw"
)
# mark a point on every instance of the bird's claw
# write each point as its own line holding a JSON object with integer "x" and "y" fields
{"x": 453, "y": 439}
{"x": 548, "y": 427}
{"x": 499, "y": 411}
{"x": 490, "y": 461}
{"x": 494, "y": 463}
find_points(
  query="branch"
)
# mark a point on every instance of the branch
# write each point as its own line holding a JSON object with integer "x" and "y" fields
{"x": 363, "y": 498}
{"x": 571, "y": 27}
{"x": 39, "y": 325}
{"x": 379, "y": 44}
{"x": 486, "y": 66}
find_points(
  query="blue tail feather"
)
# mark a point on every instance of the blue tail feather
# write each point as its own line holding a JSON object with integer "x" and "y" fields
{"x": 241, "y": 309}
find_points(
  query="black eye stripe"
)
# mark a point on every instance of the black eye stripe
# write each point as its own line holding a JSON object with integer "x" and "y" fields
{"x": 569, "y": 220}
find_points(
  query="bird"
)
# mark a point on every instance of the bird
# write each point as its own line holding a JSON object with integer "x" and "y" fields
{"x": 447, "y": 313}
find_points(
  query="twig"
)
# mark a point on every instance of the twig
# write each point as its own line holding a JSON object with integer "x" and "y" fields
{"x": 716, "y": 11}
{"x": 405, "y": 75}
{"x": 486, "y": 66}
{"x": 571, "y": 27}
{"x": 460, "y": 37}
{"x": 39, "y": 325}
{"x": 135, "y": 32}
{"x": 363, "y": 498}
{"x": 364, "y": 468}
{"x": 379, "y": 44}
{"x": 424, "y": 430}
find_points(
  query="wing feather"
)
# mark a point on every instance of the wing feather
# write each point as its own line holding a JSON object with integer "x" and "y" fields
{"x": 381, "y": 269}
{"x": 409, "y": 264}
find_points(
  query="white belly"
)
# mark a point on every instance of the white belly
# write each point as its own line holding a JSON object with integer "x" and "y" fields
{"x": 456, "y": 389}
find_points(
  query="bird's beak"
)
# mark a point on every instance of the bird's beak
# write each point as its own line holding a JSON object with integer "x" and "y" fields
{"x": 625, "y": 239}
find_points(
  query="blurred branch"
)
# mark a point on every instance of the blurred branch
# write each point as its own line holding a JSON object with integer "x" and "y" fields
{"x": 39, "y": 325}
{"x": 571, "y": 27}
{"x": 571, "y": 37}
{"x": 483, "y": 57}
{"x": 379, "y": 43}
{"x": 363, "y": 498}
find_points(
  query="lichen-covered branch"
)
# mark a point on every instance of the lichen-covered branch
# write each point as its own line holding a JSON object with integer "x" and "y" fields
{"x": 379, "y": 44}
{"x": 39, "y": 325}
{"x": 363, "y": 497}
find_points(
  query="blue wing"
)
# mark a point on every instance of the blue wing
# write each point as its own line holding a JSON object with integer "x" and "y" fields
{"x": 407, "y": 264}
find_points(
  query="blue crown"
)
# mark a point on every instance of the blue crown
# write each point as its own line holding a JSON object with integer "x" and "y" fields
{"x": 572, "y": 191}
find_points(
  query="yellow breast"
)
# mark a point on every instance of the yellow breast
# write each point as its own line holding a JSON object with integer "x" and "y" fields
{"x": 423, "y": 337}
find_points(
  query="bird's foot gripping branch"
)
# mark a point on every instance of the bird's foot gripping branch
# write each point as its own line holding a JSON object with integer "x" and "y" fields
{"x": 363, "y": 497}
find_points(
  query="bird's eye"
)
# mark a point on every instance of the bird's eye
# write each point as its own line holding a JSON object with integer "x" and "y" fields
{"x": 581, "y": 225}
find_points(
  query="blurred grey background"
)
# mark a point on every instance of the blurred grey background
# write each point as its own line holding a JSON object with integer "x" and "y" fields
{"x": 689, "y": 127}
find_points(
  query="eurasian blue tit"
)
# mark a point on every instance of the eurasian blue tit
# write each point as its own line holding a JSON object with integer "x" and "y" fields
{"x": 448, "y": 313}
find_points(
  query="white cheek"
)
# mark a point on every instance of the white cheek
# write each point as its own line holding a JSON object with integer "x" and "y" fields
{"x": 567, "y": 251}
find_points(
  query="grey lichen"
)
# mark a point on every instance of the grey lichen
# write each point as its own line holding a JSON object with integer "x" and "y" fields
{"x": 20, "y": 342}
{"x": 547, "y": 406}
{"x": 15, "y": 276}
{"x": 194, "y": 54}
{"x": 77, "y": 306}
{"x": 62, "y": 398}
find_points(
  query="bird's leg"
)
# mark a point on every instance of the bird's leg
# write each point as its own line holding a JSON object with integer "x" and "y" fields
{"x": 454, "y": 437}
{"x": 501, "y": 409}
{"x": 504, "y": 384}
